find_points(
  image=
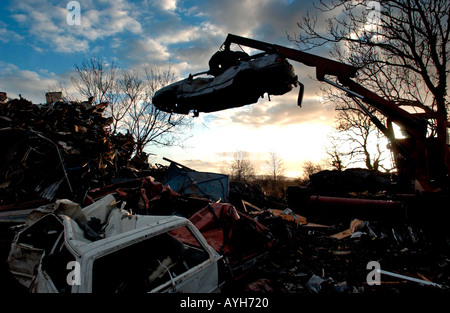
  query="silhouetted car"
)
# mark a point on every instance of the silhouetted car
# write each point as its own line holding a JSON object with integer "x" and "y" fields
{"x": 236, "y": 84}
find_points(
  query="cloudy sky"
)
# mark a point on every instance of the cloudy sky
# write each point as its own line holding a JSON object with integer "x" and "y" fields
{"x": 39, "y": 48}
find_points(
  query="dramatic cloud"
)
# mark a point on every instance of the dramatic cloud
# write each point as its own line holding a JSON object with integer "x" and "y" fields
{"x": 261, "y": 19}
{"x": 32, "y": 85}
{"x": 47, "y": 25}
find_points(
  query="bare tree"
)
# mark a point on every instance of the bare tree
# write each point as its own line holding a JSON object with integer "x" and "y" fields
{"x": 400, "y": 47}
{"x": 358, "y": 139}
{"x": 95, "y": 77}
{"x": 98, "y": 79}
{"x": 336, "y": 156}
{"x": 363, "y": 139}
{"x": 130, "y": 101}
{"x": 309, "y": 167}
{"x": 241, "y": 169}
{"x": 275, "y": 167}
{"x": 144, "y": 120}
{"x": 120, "y": 100}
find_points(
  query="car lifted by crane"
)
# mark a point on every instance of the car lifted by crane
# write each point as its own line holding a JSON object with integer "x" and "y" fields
{"x": 422, "y": 156}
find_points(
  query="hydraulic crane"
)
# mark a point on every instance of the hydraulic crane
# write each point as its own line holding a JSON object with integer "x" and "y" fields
{"x": 420, "y": 156}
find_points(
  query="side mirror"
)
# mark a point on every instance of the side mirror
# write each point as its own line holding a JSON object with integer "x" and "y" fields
{"x": 300, "y": 94}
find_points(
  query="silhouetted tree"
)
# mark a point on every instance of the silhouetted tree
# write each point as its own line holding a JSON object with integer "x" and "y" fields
{"x": 241, "y": 169}
{"x": 129, "y": 95}
{"x": 401, "y": 48}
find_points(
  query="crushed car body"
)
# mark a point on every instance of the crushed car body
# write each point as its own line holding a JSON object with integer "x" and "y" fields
{"x": 105, "y": 249}
{"x": 162, "y": 242}
{"x": 241, "y": 240}
{"x": 234, "y": 81}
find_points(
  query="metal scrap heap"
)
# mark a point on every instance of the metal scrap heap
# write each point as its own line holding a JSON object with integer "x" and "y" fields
{"x": 57, "y": 150}
{"x": 325, "y": 238}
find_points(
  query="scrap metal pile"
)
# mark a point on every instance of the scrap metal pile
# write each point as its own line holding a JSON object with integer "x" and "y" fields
{"x": 314, "y": 242}
{"x": 57, "y": 150}
{"x": 340, "y": 260}
{"x": 335, "y": 241}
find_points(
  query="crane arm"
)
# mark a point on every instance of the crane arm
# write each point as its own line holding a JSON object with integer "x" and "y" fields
{"x": 323, "y": 65}
{"x": 411, "y": 124}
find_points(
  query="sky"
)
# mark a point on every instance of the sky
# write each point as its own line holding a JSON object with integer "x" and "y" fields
{"x": 39, "y": 48}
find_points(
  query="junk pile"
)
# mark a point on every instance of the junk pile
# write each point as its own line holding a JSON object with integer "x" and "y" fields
{"x": 58, "y": 150}
{"x": 345, "y": 259}
{"x": 233, "y": 234}
{"x": 241, "y": 242}
{"x": 116, "y": 251}
{"x": 322, "y": 239}
{"x": 370, "y": 241}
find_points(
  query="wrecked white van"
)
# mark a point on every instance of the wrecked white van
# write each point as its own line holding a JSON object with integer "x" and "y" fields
{"x": 59, "y": 251}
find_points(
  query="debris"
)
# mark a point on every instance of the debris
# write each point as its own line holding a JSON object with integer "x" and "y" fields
{"x": 241, "y": 239}
{"x": 134, "y": 254}
{"x": 246, "y": 204}
{"x": 357, "y": 234}
{"x": 52, "y": 97}
{"x": 341, "y": 252}
{"x": 341, "y": 287}
{"x": 58, "y": 150}
{"x": 355, "y": 225}
{"x": 314, "y": 283}
{"x": 420, "y": 281}
{"x": 61, "y": 167}
{"x": 262, "y": 285}
{"x": 251, "y": 193}
{"x": 340, "y": 183}
{"x": 290, "y": 216}
{"x": 184, "y": 180}
{"x": 244, "y": 241}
